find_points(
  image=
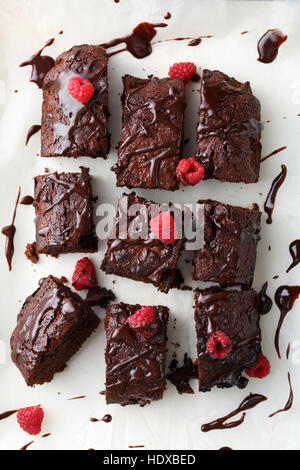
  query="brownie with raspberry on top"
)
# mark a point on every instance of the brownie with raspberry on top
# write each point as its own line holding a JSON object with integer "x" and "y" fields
{"x": 135, "y": 353}
{"x": 64, "y": 213}
{"x": 229, "y": 129}
{"x": 53, "y": 324}
{"x": 152, "y": 133}
{"x": 228, "y": 254}
{"x": 145, "y": 242}
{"x": 75, "y": 105}
{"x": 228, "y": 335}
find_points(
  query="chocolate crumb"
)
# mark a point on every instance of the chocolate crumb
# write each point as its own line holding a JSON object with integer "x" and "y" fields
{"x": 99, "y": 296}
{"x": 31, "y": 252}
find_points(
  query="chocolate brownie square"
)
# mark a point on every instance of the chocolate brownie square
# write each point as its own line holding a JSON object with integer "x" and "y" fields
{"x": 228, "y": 254}
{"x": 53, "y": 324}
{"x": 64, "y": 213}
{"x": 235, "y": 314}
{"x": 135, "y": 364}
{"x": 143, "y": 259}
{"x": 152, "y": 133}
{"x": 229, "y": 129}
{"x": 71, "y": 128}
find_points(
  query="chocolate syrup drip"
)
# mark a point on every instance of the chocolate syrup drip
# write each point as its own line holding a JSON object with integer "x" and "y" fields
{"x": 6, "y": 414}
{"x": 167, "y": 16}
{"x": 242, "y": 383}
{"x": 285, "y": 297}
{"x": 289, "y": 402}
{"x": 135, "y": 447}
{"x": 195, "y": 42}
{"x": 244, "y": 32}
{"x": 106, "y": 419}
{"x": 32, "y": 130}
{"x": 271, "y": 197}
{"x": 27, "y": 445}
{"x": 265, "y": 302}
{"x": 288, "y": 350}
{"x": 273, "y": 153}
{"x": 77, "y": 398}
{"x": 269, "y": 44}
{"x": 27, "y": 201}
{"x": 295, "y": 254}
{"x": 138, "y": 43}
{"x": 47, "y": 435}
{"x": 225, "y": 448}
{"x": 41, "y": 64}
{"x": 180, "y": 376}
{"x": 9, "y": 231}
{"x": 249, "y": 402}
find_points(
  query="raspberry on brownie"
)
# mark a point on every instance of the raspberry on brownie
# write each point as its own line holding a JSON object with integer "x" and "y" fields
{"x": 75, "y": 105}
{"x": 135, "y": 359}
{"x": 228, "y": 335}
{"x": 229, "y": 129}
{"x": 53, "y": 324}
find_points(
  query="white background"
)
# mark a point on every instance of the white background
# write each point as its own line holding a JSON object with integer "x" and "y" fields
{"x": 174, "y": 422}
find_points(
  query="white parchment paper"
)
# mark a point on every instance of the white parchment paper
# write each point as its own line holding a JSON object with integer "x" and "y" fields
{"x": 174, "y": 422}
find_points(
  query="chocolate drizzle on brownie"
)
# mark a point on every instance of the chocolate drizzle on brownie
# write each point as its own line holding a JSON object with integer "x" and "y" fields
{"x": 9, "y": 232}
{"x": 285, "y": 297}
{"x": 289, "y": 402}
{"x": 265, "y": 302}
{"x": 41, "y": 64}
{"x": 249, "y": 402}
{"x": 32, "y": 130}
{"x": 295, "y": 254}
{"x": 269, "y": 44}
{"x": 271, "y": 197}
{"x": 138, "y": 43}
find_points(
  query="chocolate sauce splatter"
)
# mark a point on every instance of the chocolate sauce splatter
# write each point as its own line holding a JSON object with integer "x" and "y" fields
{"x": 273, "y": 153}
{"x": 225, "y": 448}
{"x": 9, "y": 231}
{"x": 195, "y": 42}
{"x": 106, "y": 419}
{"x": 41, "y": 64}
{"x": 27, "y": 200}
{"x": 242, "y": 382}
{"x": 269, "y": 44}
{"x": 46, "y": 435}
{"x": 295, "y": 254}
{"x": 32, "y": 130}
{"x": 180, "y": 376}
{"x": 60, "y": 32}
{"x": 27, "y": 445}
{"x": 6, "y": 414}
{"x": 288, "y": 350}
{"x": 244, "y": 32}
{"x": 271, "y": 197}
{"x": 77, "y": 398}
{"x": 249, "y": 402}
{"x": 265, "y": 302}
{"x": 285, "y": 297}
{"x": 135, "y": 447}
{"x": 138, "y": 43}
{"x": 289, "y": 402}
{"x": 167, "y": 16}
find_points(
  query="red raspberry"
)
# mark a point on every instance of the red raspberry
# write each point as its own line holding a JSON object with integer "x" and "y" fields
{"x": 30, "y": 419}
{"x": 190, "y": 171}
{"x": 82, "y": 90}
{"x": 84, "y": 275}
{"x": 184, "y": 70}
{"x": 144, "y": 321}
{"x": 261, "y": 369}
{"x": 218, "y": 345}
{"x": 164, "y": 228}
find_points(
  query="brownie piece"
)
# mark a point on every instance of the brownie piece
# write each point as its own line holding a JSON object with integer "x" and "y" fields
{"x": 152, "y": 133}
{"x": 228, "y": 253}
{"x": 64, "y": 213}
{"x": 69, "y": 127}
{"x": 235, "y": 313}
{"x": 229, "y": 129}
{"x": 135, "y": 364}
{"x": 142, "y": 259}
{"x": 53, "y": 324}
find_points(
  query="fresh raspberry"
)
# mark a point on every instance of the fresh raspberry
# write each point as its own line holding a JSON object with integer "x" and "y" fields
{"x": 164, "y": 228}
{"x": 218, "y": 345}
{"x": 81, "y": 89}
{"x": 190, "y": 171}
{"x": 84, "y": 275}
{"x": 144, "y": 321}
{"x": 184, "y": 70}
{"x": 261, "y": 369}
{"x": 30, "y": 419}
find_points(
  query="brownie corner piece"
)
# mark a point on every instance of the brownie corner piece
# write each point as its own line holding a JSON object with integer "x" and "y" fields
{"x": 146, "y": 259}
{"x": 235, "y": 314}
{"x": 152, "y": 133}
{"x": 53, "y": 324}
{"x": 228, "y": 254}
{"x": 229, "y": 129}
{"x": 64, "y": 213}
{"x": 71, "y": 128}
{"x": 135, "y": 364}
